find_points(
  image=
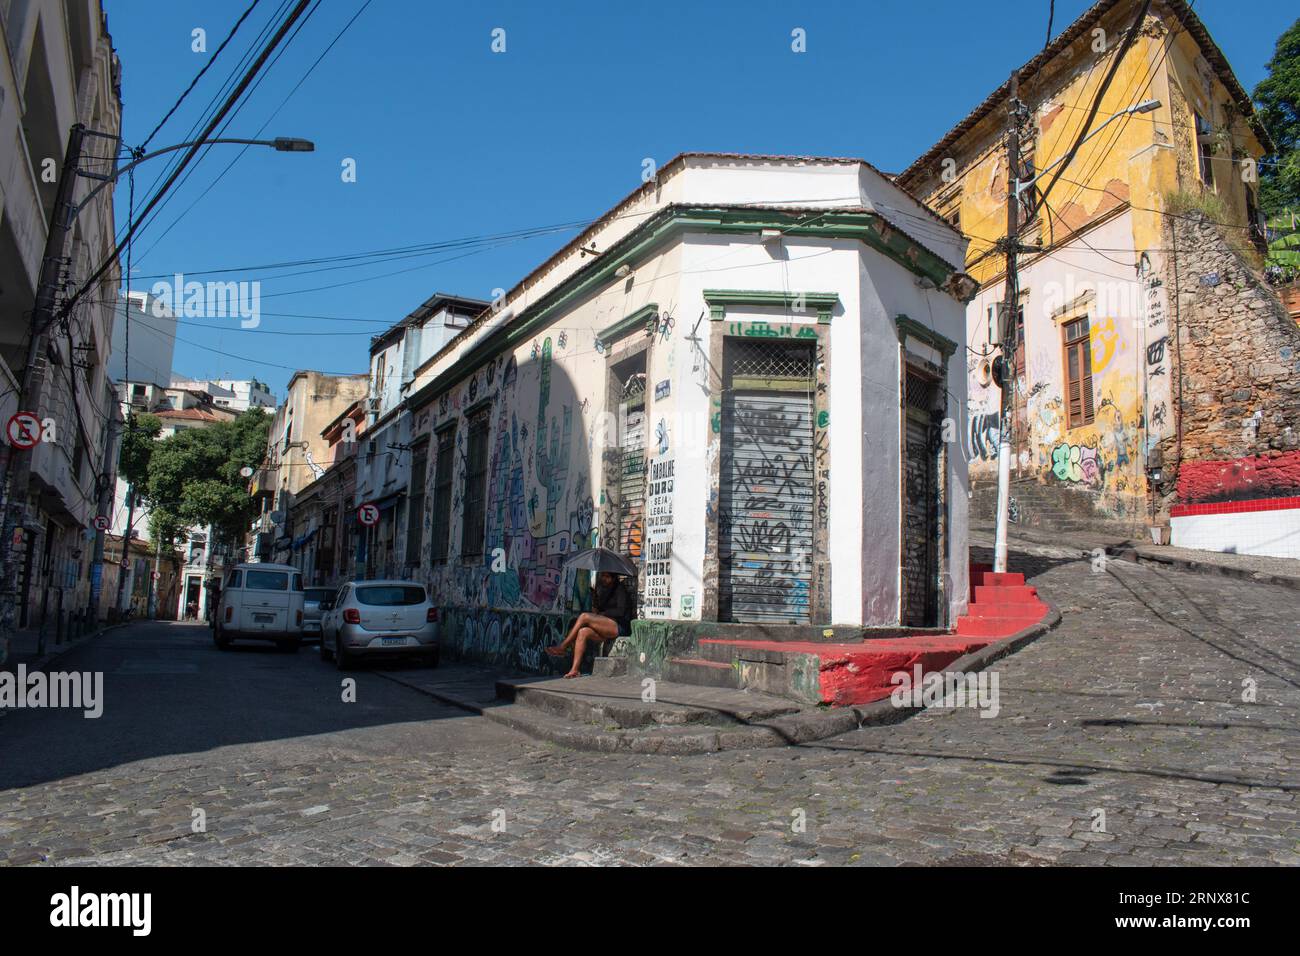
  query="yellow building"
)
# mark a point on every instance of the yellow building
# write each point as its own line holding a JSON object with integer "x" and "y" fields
{"x": 1098, "y": 366}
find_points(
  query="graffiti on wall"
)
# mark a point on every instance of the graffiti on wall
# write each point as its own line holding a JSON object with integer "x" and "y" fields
{"x": 984, "y": 432}
{"x": 1104, "y": 342}
{"x": 538, "y": 510}
{"x": 1077, "y": 463}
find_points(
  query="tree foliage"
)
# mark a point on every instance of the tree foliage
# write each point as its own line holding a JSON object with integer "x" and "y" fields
{"x": 194, "y": 474}
{"x": 138, "y": 441}
{"x": 1277, "y": 98}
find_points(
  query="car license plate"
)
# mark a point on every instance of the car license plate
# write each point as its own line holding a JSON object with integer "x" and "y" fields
{"x": 263, "y": 618}
{"x": 394, "y": 640}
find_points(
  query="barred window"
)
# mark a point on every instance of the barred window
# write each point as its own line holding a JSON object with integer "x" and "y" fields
{"x": 474, "y": 500}
{"x": 441, "y": 530}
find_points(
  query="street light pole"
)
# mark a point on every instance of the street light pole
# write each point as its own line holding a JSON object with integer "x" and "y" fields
{"x": 15, "y": 468}
{"x": 1009, "y": 310}
{"x": 1007, "y": 330}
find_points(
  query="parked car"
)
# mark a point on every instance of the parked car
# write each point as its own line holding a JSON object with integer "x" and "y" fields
{"x": 379, "y": 619}
{"x": 311, "y": 612}
{"x": 261, "y": 602}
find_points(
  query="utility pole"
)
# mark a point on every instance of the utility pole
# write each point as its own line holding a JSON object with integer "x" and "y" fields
{"x": 122, "y": 592}
{"x": 107, "y": 487}
{"x": 20, "y": 463}
{"x": 1007, "y": 314}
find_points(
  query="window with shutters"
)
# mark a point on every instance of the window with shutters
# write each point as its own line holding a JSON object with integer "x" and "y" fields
{"x": 474, "y": 499}
{"x": 441, "y": 529}
{"x": 1078, "y": 372}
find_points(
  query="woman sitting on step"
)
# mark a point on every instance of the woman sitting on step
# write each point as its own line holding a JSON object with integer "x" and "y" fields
{"x": 613, "y": 608}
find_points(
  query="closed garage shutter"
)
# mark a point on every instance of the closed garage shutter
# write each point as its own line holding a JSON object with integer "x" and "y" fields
{"x": 765, "y": 528}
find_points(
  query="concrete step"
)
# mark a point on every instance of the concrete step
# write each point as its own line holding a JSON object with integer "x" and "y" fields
{"x": 622, "y": 703}
{"x": 701, "y": 672}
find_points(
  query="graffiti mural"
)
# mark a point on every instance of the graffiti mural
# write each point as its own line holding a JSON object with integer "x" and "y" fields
{"x": 507, "y": 605}
{"x": 984, "y": 432}
{"x": 1077, "y": 463}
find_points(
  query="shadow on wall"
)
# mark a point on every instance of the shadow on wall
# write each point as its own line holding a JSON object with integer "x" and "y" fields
{"x": 545, "y": 435}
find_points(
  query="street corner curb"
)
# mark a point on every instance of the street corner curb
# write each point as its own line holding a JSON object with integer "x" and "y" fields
{"x": 1143, "y": 556}
{"x": 790, "y": 730}
{"x": 976, "y": 661}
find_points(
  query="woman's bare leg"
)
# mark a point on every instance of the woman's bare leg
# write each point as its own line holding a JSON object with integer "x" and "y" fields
{"x": 597, "y": 628}
{"x": 559, "y": 649}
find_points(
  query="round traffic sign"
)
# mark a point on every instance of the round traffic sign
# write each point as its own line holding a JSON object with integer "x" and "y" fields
{"x": 101, "y": 522}
{"x": 368, "y": 515}
{"x": 24, "y": 430}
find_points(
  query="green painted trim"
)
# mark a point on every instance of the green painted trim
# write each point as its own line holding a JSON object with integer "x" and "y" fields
{"x": 916, "y": 330}
{"x": 625, "y": 327}
{"x": 820, "y": 302}
{"x": 669, "y": 224}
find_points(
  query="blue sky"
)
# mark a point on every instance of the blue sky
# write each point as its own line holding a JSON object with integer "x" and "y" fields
{"x": 453, "y": 141}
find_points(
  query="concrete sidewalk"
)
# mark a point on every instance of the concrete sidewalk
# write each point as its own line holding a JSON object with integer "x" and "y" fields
{"x": 25, "y": 647}
{"x": 612, "y": 715}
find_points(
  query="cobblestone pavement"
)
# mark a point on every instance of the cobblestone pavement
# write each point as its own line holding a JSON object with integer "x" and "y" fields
{"x": 1132, "y": 707}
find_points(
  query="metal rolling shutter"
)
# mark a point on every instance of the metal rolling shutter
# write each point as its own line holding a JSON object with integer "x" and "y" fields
{"x": 765, "y": 532}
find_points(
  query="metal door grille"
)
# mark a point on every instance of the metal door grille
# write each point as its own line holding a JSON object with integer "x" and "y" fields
{"x": 766, "y": 501}
{"x": 631, "y": 483}
{"x": 768, "y": 358}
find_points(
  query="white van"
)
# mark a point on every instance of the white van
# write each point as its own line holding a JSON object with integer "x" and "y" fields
{"x": 260, "y": 602}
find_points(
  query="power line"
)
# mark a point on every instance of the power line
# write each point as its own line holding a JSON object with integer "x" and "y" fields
{"x": 273, "y": 115}
{"x": 1127, "y": 43}
{"x": 198, "y": 76}
{"x": 220, "y": 93}
{"x": 189, "y": 155}
{"x": 230, "y": 120}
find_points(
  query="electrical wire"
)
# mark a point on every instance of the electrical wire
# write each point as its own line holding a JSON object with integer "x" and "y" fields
{"x": 206, "y": 66}
{"x": 190, "y": 154}
{"x": 347, "y": 26}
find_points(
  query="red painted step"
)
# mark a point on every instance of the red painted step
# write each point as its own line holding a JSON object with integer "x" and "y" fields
{"x": 1006, "y": 594}
{"x": 992, "y": 579}
{"x": 1016, "y": 610}
{"x": 994, "y": 627}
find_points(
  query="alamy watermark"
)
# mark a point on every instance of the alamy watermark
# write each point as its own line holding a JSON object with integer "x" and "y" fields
{"x": 947, "y": 689}
{"x": 202, "y": 300}
{"x": 75, "y": 690}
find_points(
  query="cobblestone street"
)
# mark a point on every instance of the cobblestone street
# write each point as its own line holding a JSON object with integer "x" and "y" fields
{"x": 1132, "y": 707}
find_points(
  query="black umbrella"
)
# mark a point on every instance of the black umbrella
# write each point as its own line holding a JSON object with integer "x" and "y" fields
{"x": 601, "y": 559}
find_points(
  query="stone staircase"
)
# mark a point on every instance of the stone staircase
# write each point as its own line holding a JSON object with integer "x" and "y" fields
{"x": 1055, "y": 507}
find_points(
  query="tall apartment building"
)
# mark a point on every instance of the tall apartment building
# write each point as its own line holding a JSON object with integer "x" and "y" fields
{"x": 58, "y": 69}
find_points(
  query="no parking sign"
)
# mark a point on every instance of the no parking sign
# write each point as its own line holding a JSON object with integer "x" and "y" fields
{"x": 24, "y": 430}
{"x": 368, "y": 515}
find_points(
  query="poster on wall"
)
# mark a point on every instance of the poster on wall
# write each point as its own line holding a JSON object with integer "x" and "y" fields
{"x": 659, "y": 540}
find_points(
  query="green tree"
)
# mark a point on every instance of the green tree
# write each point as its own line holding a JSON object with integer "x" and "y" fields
{"x": 194, "y": 474}
{"x": 165, "y": 531}
{"x": 138, "y": 441}
{"x": 1277, "y": 98}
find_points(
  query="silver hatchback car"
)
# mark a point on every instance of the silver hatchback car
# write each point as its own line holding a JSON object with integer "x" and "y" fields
{"x": 379, "y": 619}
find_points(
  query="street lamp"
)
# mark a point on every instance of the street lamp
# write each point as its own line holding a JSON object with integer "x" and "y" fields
{"x": 281, "y": 144}
{"x": 1146, "y": 106}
